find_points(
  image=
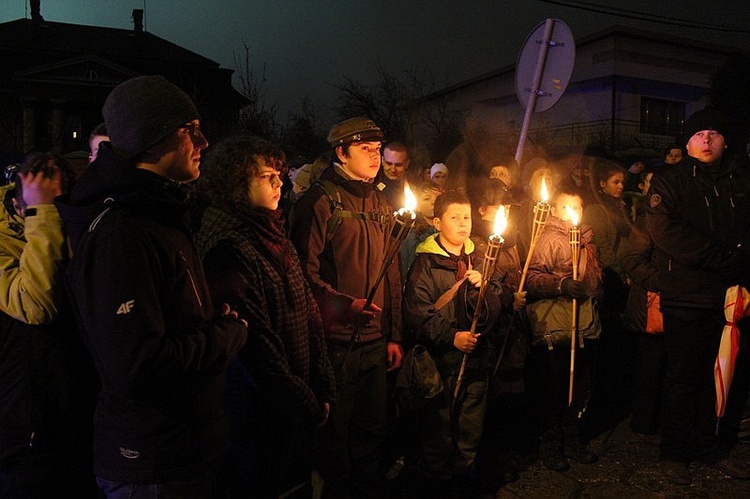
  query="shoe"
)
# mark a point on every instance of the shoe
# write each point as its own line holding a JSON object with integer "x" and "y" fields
{"x": 733, "y": 468}
{"x": 653, "y": 439}
{"x": 580, "y": 453}
{"x": 553, "y": 459}
{"x": 675, "y": 471}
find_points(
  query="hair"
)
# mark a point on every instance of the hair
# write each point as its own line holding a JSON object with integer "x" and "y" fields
{"x": 564, "y": 189}
{"x": 604, "y": 170}
{"x": 35, "y": 162}
{"x": 231, "y": 164}
{"x": 446, "y": 199}
{"x": 669, "y": 148}
{"x": 100, "y": 129}
{"x": 645, "y": 173}
{"x": 395, "y": 146}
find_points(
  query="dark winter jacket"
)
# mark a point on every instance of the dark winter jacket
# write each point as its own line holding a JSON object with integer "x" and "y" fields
{"x": 640, "y": 263}
{"x": 552, "y": 262}
{"x": 251, "y": 266}
{"x": 342, "y": 266}
{"x": 147, "y": 317}
{"x": 698, "y": 218}
{"x": 434, "y": 272}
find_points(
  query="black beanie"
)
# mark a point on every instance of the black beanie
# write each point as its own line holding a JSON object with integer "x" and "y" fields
{"x": 706, "y": 119}
{"x": 142, "y": 111}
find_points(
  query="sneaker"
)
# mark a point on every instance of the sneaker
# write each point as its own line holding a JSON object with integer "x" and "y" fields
{"x": 675, "y": 471}
{"x": 733, "y": 467}
{"x": 581, "y": 453}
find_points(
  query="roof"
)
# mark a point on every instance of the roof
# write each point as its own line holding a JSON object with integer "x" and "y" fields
{"x": 63, "y": 39}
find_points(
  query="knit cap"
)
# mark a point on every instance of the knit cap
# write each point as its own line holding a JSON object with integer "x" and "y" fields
{"x": 706, "y": 119}
{"x": 142, "y": 111}
{"x": 438, "y": 167}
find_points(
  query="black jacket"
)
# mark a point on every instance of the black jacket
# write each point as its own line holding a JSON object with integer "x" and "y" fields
{"x": 146, "y": 315}
{"x": 698, "y": 219}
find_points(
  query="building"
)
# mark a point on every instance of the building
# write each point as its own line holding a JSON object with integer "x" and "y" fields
{"x": 629, "y": 90}
{"x": 54, "y": 78}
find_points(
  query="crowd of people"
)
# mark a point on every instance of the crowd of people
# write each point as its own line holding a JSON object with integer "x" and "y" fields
{"x": 190, "y": 325}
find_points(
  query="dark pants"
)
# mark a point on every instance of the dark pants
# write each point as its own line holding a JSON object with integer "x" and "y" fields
{"x": 549, "y": 381}
{"x": 195, "y": 489}
{"x": 352, "y": 440}
{"x": 689, "y": 425}
{"x": 650, "y": 368}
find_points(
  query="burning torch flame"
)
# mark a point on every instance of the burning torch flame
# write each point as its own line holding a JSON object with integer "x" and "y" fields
{"x": 501, "y": 221}
{"x": 544, "y": 193}
{"x": 410, "y": 202}
{"x": 572, "y": 215}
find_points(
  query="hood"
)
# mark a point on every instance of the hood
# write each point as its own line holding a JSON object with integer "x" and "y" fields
{"x": 430, "y": 245}
{"x": 112, "y": 182}
{"x": 11, "y": 224}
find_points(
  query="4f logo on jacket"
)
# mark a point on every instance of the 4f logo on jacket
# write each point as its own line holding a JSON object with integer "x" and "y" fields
{"x": 125, "y": 307}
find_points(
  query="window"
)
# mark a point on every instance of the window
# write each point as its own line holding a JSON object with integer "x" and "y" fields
{"x": 662, "y": 117}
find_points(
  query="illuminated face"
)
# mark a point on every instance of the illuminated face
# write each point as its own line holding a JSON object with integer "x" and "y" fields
{"x": 646, "y": 184}
{"x": 426, "y": 201}
{"x": 674, "y": 156}
{"x": 575, "y": 204}
{"x": 94, "y": 145}
{"x": 440, "y": 178}
{"x": 362, "y": 161}
{"x": 502, "y": 173}
{"x": 614, "y": 185}
{"x": 454, "y": 227}
{"x": 707, "y": 146}
{"x": 395, "y": 163}
{"x": 182, "y": 157}
{"x": 264, "y": 188}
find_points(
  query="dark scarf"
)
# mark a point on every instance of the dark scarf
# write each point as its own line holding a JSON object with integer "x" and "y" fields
{"x": 269, "y": 226}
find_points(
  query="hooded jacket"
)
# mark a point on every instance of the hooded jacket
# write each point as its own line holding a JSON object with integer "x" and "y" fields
{"x": 147, "y": 317}
{"x": 341, "y": 267}
{"x": 47, "y": 380}
{"x": 698, "y": 218}
{"x": 434, "y": 272}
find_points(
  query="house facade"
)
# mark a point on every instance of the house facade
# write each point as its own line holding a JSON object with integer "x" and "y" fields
{"x": 629, "y": 90}
{"x": 54, "y": 78}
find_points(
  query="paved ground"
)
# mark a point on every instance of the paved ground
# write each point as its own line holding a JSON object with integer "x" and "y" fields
{"x": 627, "y": 469}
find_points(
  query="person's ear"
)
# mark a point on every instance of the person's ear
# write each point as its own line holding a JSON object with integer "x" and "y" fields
{"x": 17, "y": 206}
{"x": 482, "y": 210}
{"x": 437, "y": 223}
{"x": 340, "y": 154}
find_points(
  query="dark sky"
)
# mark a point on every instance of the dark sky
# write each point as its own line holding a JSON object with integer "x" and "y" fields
{"x": 307, "y": 44}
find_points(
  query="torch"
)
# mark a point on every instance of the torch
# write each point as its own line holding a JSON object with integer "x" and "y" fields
{"x": 541, "y": 212}
{"x": 575, "y": 249}
{"x": 494, "y": 245}
{"x": 403, "y": 221}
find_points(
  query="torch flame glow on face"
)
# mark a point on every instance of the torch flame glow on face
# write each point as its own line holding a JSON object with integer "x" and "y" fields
{"x": 572, "y": 215}
{"x": 544, "y": 193}
{"x": 501, "y": 221}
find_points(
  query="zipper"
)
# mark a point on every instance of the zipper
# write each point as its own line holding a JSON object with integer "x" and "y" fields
{"x": 710, "y": 215}
{"x": 192, "y": 280}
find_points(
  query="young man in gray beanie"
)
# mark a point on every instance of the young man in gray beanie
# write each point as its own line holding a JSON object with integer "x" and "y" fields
{"x": 341, "y": 251}
{"x": 142, "y": 303}
{"x": 699, "y": 219}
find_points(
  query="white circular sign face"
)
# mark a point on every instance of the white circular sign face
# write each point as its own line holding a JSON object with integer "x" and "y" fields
{"x": 557, "y": 65}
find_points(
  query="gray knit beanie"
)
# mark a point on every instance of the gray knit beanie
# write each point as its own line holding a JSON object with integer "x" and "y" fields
{"x": 142, "y": 111}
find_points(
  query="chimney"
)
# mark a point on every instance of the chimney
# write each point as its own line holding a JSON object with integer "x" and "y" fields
{"x": 36, "y": 13}
{"x": 138, "y": 20}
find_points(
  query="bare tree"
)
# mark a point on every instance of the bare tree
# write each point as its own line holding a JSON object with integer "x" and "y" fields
{"x": 258, "y": 117}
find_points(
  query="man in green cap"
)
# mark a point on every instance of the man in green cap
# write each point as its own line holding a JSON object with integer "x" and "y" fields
{"x": 339, "y": 229}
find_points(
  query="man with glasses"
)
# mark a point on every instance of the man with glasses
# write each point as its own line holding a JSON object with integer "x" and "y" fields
{"x": 141, "y": 300}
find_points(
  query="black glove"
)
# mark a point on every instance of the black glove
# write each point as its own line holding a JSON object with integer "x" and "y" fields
{"x": 574, "y": 289}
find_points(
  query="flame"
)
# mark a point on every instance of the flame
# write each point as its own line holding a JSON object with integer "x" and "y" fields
{"x": 501, "y": 221}
{"x": 410, "y": 200}
{"x": 544, "y": 193}
{"x": 572, "y": 215}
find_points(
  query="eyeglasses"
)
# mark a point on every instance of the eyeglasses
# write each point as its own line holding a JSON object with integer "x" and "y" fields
{"x": 194, "y": 130}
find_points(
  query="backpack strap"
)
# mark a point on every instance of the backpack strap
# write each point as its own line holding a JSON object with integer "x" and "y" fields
{"x": 338, "y": 213}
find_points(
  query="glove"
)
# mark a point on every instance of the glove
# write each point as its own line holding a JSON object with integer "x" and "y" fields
{"x": 574, "y": 289}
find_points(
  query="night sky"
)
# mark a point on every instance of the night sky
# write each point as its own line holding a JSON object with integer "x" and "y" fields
{"x": 308, "y": 44}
